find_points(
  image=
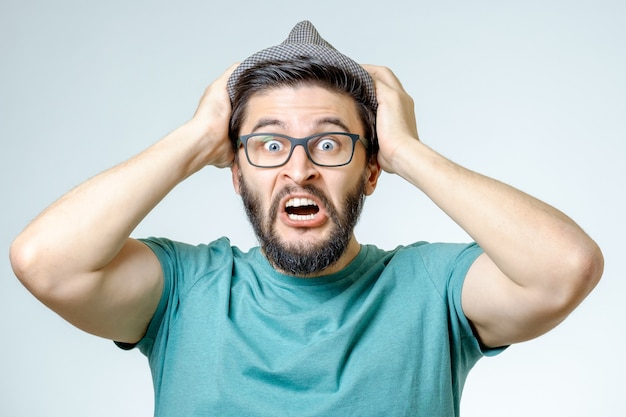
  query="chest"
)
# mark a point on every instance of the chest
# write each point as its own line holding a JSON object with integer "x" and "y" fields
{"x": 256, "y": 351}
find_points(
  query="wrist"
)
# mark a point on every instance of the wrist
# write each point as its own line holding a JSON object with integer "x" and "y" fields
{"x": 401, "y": 155}
{"x": 415, "y": 162}
{"x": 209, "y": 144}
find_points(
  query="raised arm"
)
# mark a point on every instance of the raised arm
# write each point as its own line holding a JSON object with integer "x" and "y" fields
{"x": 77, "y": 257}
{"x": 538, "y": 264}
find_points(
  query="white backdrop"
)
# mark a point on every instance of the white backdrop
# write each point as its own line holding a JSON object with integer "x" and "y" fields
{"x": 530, "y": 92}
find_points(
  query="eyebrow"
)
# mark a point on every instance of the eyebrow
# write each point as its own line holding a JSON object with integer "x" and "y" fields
{"x": 320, "y": 122}
{"x": 333, "y": 121}
{"x": 267, "y": 122}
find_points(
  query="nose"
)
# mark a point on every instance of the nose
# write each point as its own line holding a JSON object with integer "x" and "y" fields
{"x": 299, "y": 168}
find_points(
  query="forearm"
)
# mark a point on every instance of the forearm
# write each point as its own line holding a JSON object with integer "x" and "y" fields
{"x": 531, "y": 242}
{"x": 86, "y": 228}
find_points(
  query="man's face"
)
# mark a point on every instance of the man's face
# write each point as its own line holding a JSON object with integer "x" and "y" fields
{"x": 304, "y": 214}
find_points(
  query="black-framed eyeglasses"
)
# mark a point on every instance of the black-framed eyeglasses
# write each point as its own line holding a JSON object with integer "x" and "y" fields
{"x": 271, "y": 150}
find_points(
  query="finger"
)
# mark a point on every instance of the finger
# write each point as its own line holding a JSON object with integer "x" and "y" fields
{"x": 383, "y": 75}
{"x": 222, "y": 80}
{"x": 217, "y": 87}
{"x": 379, "y": 72}
{"x": 226, "y": 75}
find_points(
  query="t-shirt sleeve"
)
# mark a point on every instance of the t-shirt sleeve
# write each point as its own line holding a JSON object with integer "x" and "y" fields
{"x": 163, "y": 249}
{"x": 463, "y": 262}
{"x": 182, "y": 264}
{"x": 448, "y": 265}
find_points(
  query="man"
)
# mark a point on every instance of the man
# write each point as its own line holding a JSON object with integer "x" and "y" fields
{"x": 312, "y": 322}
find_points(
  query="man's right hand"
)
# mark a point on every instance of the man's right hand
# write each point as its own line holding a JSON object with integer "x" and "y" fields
{"x": 212, "y": 117}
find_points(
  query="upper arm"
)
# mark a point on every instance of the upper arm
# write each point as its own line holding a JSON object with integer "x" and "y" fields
{"x": 503, "y": 312}
{"x": 116, "y": 302}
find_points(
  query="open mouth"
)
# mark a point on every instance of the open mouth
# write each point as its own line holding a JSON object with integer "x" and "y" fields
{"x": 301, "y": 209}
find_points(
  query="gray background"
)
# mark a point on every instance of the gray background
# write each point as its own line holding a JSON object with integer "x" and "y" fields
{"x": 530, "y": 92}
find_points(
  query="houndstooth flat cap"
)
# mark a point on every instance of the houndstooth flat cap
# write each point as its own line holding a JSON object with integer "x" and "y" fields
{"x": 305, "y": 40}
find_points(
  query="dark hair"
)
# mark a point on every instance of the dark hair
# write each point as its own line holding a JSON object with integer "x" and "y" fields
{"x": 304, "y": 71}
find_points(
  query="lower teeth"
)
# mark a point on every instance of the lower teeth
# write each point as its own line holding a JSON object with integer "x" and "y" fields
{"x": 301, "y": 216}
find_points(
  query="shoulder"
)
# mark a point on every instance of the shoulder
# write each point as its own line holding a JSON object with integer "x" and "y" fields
{"x": 175, "y": 251}
{"x": 436, "y": 257}
{"x": 185, "y": 262}
{"x": 444, "y": 265}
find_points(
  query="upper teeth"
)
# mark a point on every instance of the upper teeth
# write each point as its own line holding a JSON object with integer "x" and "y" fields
{"x": 299, "y": 202}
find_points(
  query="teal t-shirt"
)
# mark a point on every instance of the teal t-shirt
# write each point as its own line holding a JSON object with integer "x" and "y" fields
{"x": 386, "y": 336}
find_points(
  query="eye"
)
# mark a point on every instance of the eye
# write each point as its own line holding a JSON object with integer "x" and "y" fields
{"x": 272, "y": 146}
{"x": 327, "y": 144}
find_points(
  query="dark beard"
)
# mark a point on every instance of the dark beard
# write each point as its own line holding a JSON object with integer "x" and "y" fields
{"x": 304, "y": 259}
